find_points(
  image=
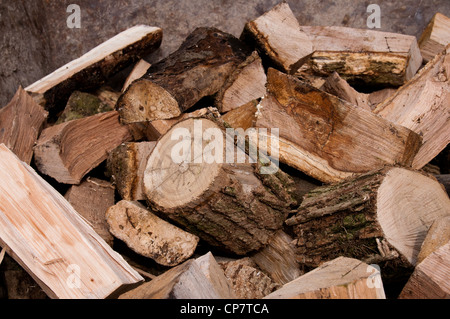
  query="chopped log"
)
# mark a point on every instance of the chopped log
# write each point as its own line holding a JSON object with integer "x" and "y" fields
{"x": 246, "y": 83}
{"x": 185, "y": 281}
{"x": 96, "y": 66}
{"x": 438, "y": 235}
{"x": 21, "y": 122}
{"x": 196, "y": 183}
{"x": 247, "y": 281}
{"x": 138, "y": 71}
{"x": 149, "y": 235}
{"x": 444, "y": 179}
{"x": 81, "y": 105}
{"x": 197, "y": 69}
{"x": 243, "y": 116}
{"x": 379, "y": 96}
{"x": 126, "y": 165}
{"x": 435, "y": 37}
{"x": 51, "y": 241}
{"x": 278, "y": 259}
{"x": 108, "y": 96}
{"x": 91, "y": 199}
{"x": 376, "y": 217}
{"x": 215, "y": 274}
{"x": 337, "y": 86}
{"x": 363, "y": 56}
{"x": 277, "y": 36}
{"x": 68, "y": 151}
{"x": 326, "y": 137}
{"x": 341, "y": 278}
{"x": 430, "y": 278}
{"x": 422, "y": 106}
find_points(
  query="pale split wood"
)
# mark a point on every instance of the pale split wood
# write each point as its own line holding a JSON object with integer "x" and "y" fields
{"x": 50, "y": 240}
{"x": 138, "y": 71}
{"x": 435, "y": 36}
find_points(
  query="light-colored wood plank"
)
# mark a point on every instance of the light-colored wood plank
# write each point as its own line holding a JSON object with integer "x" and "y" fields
{"x": 47, "y": 237}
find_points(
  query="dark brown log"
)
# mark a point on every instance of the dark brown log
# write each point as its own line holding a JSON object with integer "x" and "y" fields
{"x": 444, "y": 179}
{"x": 379, "y": 217}
{"x": 230, "y": 205}
{"x": 197, "y": 69}
{"x": 21, "y": 122}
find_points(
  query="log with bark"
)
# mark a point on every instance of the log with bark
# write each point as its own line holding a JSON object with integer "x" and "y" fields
{"x": 91, "y": 199}
{"x": 96, "y": 66}
{"x": 51, "y": 241}
{"x": 149, "y": 235}
{"x": 380, "y": 217}
{"x": 21, "y": 122}
{"x": 196, "y": 70}
{"x": 68, "y": 151}
{"x": 193, "y": 179}
{"x": 278, "y": 38}
{"x": 341, "y": 278}
{"x": 435, "y": 37}
{"x": 328, "y": 138}
{"x": 422, "y": 106}
{"x": 364, "y": 57}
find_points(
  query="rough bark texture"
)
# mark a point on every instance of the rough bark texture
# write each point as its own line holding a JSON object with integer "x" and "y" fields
{"x": 197, "y": 69}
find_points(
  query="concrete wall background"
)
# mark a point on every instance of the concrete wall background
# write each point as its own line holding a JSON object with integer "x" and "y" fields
{"x": 35, "y": 39}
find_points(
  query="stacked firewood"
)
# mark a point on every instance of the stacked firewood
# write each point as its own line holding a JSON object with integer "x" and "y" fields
{"x": 291, "y": 162}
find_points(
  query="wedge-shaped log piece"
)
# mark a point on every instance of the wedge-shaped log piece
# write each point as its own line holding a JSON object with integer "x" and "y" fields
{"x": 126, "y": 165}
{"x": 422, "y": 106}
{"x": 341, "y": 278}
{"x": 50, "y": 240}
{"x": 364, "y": 56}
{"x": 185, "y": 281}
{"x": 68, "y": 151}
{"x": 215, "y": 274}
{"x": 380, "y": 217}
{"x": 138, "y": 71}
{"x": 328, "y": 138}
{"x": 194, "y": 178}
{"x": 435, "y": 37}
{"x": 149, "y": 235}
{"x": 96, "y": 66}
{"x": 246, "y": 83}
{"x": 21, "y": 122}
{"x": 430, "y": 278}
{"x": 197, "y": 69}
{"x": 91, "y": 199}
{"x": 277, "y": 36}
{"x": 437, "y": 236}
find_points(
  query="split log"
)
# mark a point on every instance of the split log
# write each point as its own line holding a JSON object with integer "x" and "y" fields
{"x": 192, "y": 178}
{"x": 430, "y": 278}
{"x": 81, "y": 105}
{"x": 376, "y": 217}
{"x": 435, "y": 37}
{"x": 91, "y": 199}
{"x": 185, "y": 281}
{"x": 21, "y": 122}
{"x": 51, "y": 241}
{"x": 438, "y": 235}
{"x": 422, "y": 106}
{"x": 277, "y": 36}
{"x": 107, "y": 96}
{"x": 126, "y": 165}
{"x": 278, "y": 259}
{"x": 247, "y": 281}
{"x": 341, "y": 278}
{"x": 197, "y": 69}
{"x": 149, "y": 235}
{"x": 326, "y": 137}
{"x": 68, "y": 151}
{"x": 242, "y": 117}
{"x": 215, "y": 274}
{"x": 246, "y": 83}
{"x": 380, "y": 96}
{"x": 138, "y": 71}
{"x": 363, "y": 56}
{"x": 96, "y": 66}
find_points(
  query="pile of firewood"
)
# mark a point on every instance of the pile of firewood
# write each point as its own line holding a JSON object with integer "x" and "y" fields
{"x": 292, "y": 162}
